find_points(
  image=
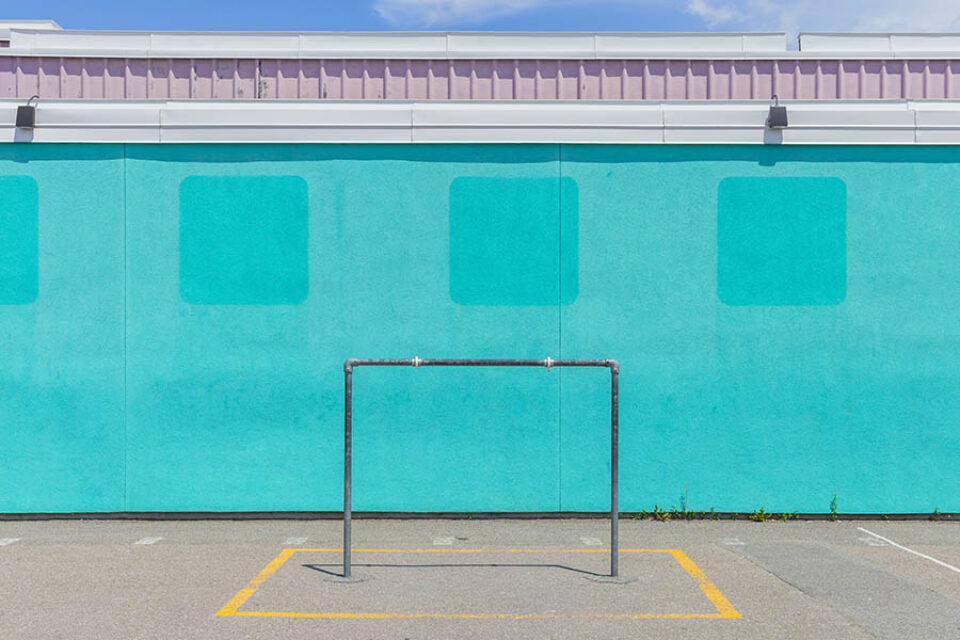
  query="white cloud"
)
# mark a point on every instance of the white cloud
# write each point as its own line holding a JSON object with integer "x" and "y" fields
{"x": 711, "y": 13}
{"x": 430, "y": 13}
{"x": 781, "y": 15}
{"x": 829, "y": 15}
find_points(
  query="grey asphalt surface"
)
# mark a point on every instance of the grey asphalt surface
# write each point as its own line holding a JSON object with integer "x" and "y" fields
{"x": 489, "y": 578}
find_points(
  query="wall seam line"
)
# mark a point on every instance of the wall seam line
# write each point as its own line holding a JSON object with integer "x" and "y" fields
{"x": 126, "y": 505}
{"x": 560, "y": 326}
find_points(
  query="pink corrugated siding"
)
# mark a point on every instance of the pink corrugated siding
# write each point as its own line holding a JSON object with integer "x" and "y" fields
{"x": 117, "y": 79}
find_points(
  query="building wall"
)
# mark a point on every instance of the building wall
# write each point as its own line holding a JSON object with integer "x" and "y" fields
{"x": 174, "y": 321}
{"x": 118, "y": 78}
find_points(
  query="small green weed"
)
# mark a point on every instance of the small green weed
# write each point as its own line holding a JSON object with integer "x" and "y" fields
{"x": 683, "y": 512}
{"x": 834, "y": 514}
{"x": 759, "y": 515}
{"x": 659, "y": 514}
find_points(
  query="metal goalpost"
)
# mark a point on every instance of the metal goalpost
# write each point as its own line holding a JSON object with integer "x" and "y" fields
{"x": 417, "y": 362}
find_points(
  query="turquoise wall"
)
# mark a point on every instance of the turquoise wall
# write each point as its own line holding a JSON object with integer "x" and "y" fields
{"x": 174, "y": 321}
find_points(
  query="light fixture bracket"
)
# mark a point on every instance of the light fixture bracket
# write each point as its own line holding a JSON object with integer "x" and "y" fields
{"x": 27, "y": 114}
{"x": 777, "y": 116}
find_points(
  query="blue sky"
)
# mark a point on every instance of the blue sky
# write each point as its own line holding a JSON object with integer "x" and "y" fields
{"x": 533, "y": 15}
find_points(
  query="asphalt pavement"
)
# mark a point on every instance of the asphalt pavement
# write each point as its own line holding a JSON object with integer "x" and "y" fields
{"x": 543, "y": 578}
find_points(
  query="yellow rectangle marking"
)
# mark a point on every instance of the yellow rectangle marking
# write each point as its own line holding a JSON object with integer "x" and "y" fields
{"x": 710, "y": 590}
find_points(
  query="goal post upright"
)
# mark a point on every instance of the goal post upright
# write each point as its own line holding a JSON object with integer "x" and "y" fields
{"x": 418, "y": 362}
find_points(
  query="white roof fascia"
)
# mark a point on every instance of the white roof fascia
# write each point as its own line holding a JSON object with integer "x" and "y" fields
{"x": 397, "y": 45}
{"x": 281, "y": 121}
{"x": 591, "y": 122}
{"x": 6, "y": 26}
{"x": 35, "y": 25}
{"x": 45, "y": 38}
{"x": 938, "y": 121}
{"x": 527, "y": 122}
{"x": 890, "y": 46}
{"x": 65, "y": 121}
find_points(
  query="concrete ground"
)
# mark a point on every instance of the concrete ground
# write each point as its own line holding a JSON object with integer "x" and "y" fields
{"x": 479, "y": 579}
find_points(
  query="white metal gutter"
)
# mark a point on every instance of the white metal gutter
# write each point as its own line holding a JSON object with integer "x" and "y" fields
{"x": 689, "y": 122}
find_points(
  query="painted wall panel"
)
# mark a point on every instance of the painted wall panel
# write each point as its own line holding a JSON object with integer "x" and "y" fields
{"x": 61, "y": 343}
{"x": 19, "y": 241}
{"x": 772, "y": 406}
{"x": 480, "y": 79}
{"x": 243, "y": 240}
{"x": 781, "y": 241}
{"x": 246, "y": 400}
{"x": 118, "y": 394}
{"x": 508, "y": 243}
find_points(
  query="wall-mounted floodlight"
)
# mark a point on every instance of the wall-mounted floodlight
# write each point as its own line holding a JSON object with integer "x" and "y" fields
{"x": 27, "y": 114}
{"x": 777, "y": 118}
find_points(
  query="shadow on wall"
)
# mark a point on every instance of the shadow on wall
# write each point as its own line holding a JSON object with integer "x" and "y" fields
{"x": 764, "y": 155}
{"x": 440, "y": 153}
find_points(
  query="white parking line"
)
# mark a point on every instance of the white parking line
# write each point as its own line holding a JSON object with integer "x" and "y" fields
{"x": 148, "y": 540}
{"x": 5, "y": 541}
{"x": 591, "y": 541}
{"x": 732, "y": 542}
{"x": 295, "y": 540}
{"x": 443, "y": 540}
{"x": 908, "y": 550}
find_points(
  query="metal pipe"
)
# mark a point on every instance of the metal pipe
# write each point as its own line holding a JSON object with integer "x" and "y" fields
{"x": 549, "y": 363}
{"x": 425, "y": 362}
{"x": 347, "y": 464}
{"x": 614, "y": 469}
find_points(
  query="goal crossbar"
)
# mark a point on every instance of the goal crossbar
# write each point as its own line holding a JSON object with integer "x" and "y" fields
{"x": 417, "y": 362}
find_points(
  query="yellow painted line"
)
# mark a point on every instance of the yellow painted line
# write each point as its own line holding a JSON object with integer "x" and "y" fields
{"x": 244, "y": 594}
{"x": 476, "y": 616}
{"x": 494, "y": 551}
{"x": 724, "y": 608}
{"x": 710, "y": 590}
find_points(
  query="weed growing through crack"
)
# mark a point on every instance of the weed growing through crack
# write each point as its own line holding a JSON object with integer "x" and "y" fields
{"x": 683, "y": 512}
{"x": 759, "y": 515}
{"x": 659, "y": 514}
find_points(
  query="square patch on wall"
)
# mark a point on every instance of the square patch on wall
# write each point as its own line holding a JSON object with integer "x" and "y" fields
{"x": 782, "y": 241}
{"x": 513, "y": 241}
{"x": 19, "y": 240}
{"x": 243, "y": 240}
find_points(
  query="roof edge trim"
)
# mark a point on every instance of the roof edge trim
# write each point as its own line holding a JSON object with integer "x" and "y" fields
{"x": 839, "y": 122}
